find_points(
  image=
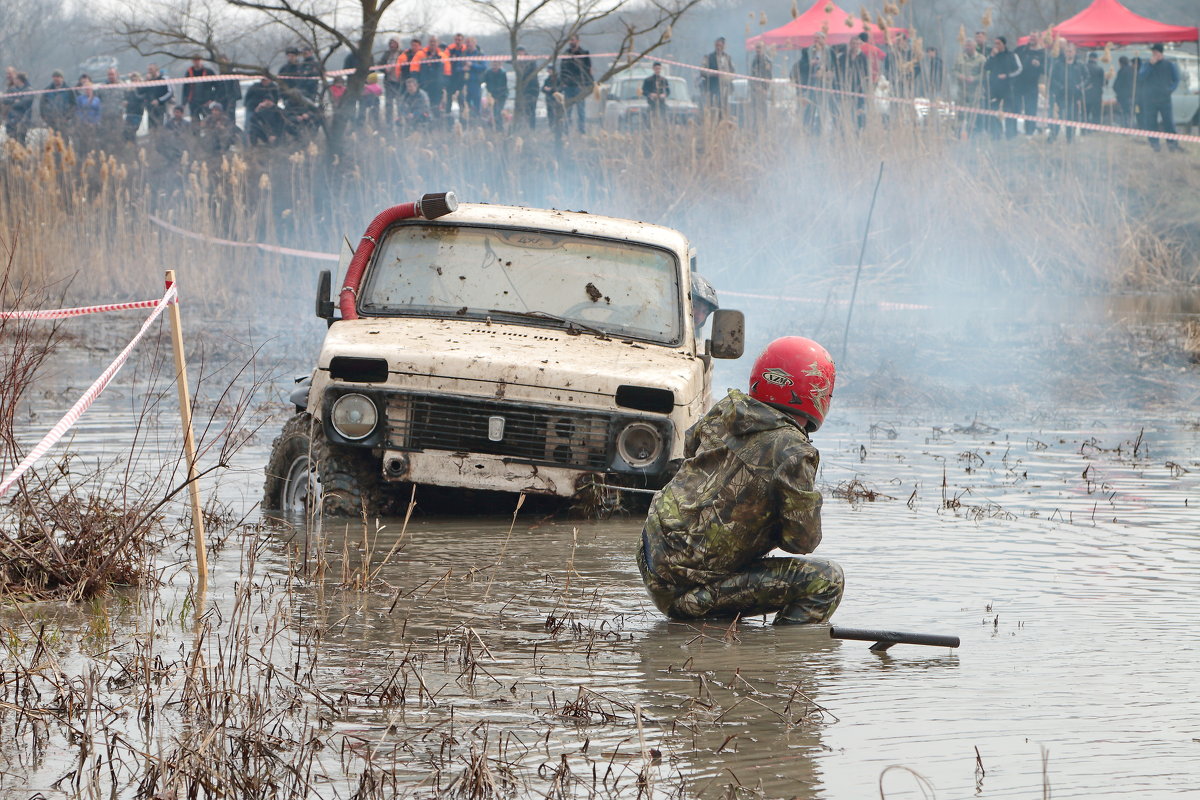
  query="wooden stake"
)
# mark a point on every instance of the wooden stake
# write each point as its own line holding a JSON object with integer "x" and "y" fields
{"x": 189, "y": 443}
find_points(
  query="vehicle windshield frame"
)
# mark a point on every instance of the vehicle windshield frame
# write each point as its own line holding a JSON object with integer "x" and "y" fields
{"x": 515, "y": 318}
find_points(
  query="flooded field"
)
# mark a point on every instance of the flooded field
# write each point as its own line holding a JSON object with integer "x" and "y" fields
{"x": 519, "y": 656}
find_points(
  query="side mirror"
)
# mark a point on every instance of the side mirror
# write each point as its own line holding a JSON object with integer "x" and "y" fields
{"x": 728, "y": 334}
{"x": 324, "y": 303}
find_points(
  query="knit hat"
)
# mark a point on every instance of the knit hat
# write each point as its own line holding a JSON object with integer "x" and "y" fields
{"x": 1157, "y": 47}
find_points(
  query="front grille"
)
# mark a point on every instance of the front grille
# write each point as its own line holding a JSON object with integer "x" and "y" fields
{"x": 537, "y": 434}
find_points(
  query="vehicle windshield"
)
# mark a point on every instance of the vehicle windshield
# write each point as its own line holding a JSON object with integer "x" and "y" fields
{"x": 631, "y": 89}
{"x": 622, "y": 288}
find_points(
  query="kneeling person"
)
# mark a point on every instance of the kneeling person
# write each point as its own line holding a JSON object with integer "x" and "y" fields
{"x": 746, "y": 488}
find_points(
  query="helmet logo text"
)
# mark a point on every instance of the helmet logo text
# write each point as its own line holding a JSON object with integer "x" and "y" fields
{"x": 778, "y": 377}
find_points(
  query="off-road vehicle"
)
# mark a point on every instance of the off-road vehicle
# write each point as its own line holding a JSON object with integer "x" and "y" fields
{"x": 485, "y": 347}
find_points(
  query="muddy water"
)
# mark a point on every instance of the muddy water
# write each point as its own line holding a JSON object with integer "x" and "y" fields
{"x": 1063, "y": 549}
{"x": 1074, "y": 598}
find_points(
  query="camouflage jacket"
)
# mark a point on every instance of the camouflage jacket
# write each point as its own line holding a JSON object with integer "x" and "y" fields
{"x": 745, "y": 488}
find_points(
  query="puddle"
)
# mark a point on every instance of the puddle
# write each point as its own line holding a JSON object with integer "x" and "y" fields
{"x": 1063, "y": 549}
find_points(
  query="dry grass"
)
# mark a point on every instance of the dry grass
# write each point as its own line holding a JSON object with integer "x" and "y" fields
{"x": 775, "y": 206}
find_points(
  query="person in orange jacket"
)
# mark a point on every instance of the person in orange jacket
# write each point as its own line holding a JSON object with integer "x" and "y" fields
{"x": 431, "y": 68}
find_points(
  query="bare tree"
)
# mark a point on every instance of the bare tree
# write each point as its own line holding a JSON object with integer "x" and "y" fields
{"x": 556, "y": 21}
{"x": 224, "y": 29}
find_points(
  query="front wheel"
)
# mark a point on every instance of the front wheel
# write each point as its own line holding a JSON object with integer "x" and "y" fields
{"x": 291, "y": 484}
{"x": 305, "y": 471}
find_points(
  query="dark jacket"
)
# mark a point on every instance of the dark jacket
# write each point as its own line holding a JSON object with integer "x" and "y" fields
{"x": 745, "y": 488}
{"x": 1123, "y": 83}
{"x": 1033, "y": 66}
{"x": 577, "y": 71}
{"x": 496, "y": 82}
{"x": 850, "y": 72}
{"x": 57, "y": 105}
{"x": 999, "y": 73}
{"x": 1067, "y": 80}
{"x": 656, "y": 84}
{"x": 257, "y": 93}
{"x": 163, "y": 94}
{"x": 195, "y": 94}
{"x": 1156, "y": 82}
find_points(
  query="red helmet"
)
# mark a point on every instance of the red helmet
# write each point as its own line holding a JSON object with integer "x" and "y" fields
{"x": 795, "y": 375}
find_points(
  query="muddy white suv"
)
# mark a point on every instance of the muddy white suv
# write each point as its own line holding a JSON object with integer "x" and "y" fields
{"x": 499, "y": 348}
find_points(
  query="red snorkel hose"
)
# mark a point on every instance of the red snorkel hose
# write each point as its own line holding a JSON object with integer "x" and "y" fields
{"x": 430, "y": 206}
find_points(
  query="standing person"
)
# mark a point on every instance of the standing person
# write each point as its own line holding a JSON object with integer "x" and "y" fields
{"x": 1123, "y": 89}
{"x": 851, "y": 74}
{"x": 763, "y": 69}
{"x": 552, "y": 89}
{"x": 1025, "y": 88}
{"x": 156, "y": 98}
{"x": 398, "y": 74}
{"x": 525, "y": 71}
{"x": 291, "y": 77}
{"x": 716, "y": 83}
{"x": 18, "y": 116}
{"x": 1000, "y": 72}
{"x": 310, "y": 70}
{"x": 394, "y": 74}
{"x": 456, "y": 83}
{"x": 196, "y": 96}
{"x": 496, "y": 82}
{"x": 227, "y": 92}
{"x": 1066, "y": 82}
{"x": 431, "y": 67}
{"x": 656, "y": 89}
{"x": 1156, "y": 81}
{"x": 112, "y": 102}
{"x": 575, "y": 76}
{"x": 745, "y": 488}
{"x": 57, "y": 104}
{"x": 89, "y": 108}
{"x": 135, "y": 107}
{"x": 968, "y": 82}
{"x": 475, "y": 72}
{"x": 932, "y": 73}
{"x": 1093, "y": 95}
{"x": 812, "y": 74}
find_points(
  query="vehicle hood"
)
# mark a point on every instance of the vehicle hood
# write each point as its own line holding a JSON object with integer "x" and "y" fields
{"x": 518, "y": 362}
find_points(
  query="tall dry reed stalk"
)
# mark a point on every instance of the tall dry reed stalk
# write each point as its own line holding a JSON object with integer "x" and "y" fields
{"x": 772, "y": 204}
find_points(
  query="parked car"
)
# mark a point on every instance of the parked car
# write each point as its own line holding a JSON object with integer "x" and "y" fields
{"x": 626, "y": 108}
{"x": 1186, "y": 100}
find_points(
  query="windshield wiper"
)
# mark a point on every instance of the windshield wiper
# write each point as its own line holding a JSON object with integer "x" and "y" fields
{"x": 569, "y": 323}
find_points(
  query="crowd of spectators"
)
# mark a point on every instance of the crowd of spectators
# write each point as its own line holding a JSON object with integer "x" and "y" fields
{"x": 428, "y": 83}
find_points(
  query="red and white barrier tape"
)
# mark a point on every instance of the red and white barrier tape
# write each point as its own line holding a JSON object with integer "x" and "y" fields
{"x": 246, "y": 76}
{"x": 64, "y": 313}
{"x": 269, "y": 248}
{"x": 83, "y": 403}
{"x": 948, "y": 107}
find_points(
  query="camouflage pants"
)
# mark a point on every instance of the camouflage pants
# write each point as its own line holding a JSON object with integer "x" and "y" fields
{"x": 808, "y": 589}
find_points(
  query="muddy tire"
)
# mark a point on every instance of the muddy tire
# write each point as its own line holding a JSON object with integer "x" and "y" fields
{"x": 290, "y": 479}
{"x": 305, "y": 469}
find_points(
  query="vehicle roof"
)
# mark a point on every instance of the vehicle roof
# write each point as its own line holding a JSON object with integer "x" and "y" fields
{"x": 569, "y": 222}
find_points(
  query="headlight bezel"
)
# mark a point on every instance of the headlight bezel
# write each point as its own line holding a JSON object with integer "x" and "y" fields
{"x": 624, "y": 460}
{"x": 335, "y": 395}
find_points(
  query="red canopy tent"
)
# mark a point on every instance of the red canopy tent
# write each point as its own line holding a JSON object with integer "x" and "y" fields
{"x": 1107, "y": 21}
{"x": 823, "y": 15}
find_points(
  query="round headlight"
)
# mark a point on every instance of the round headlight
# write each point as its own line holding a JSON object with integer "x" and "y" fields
{"x": 639, "y": 444}
{"x": 354, "y": 416}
